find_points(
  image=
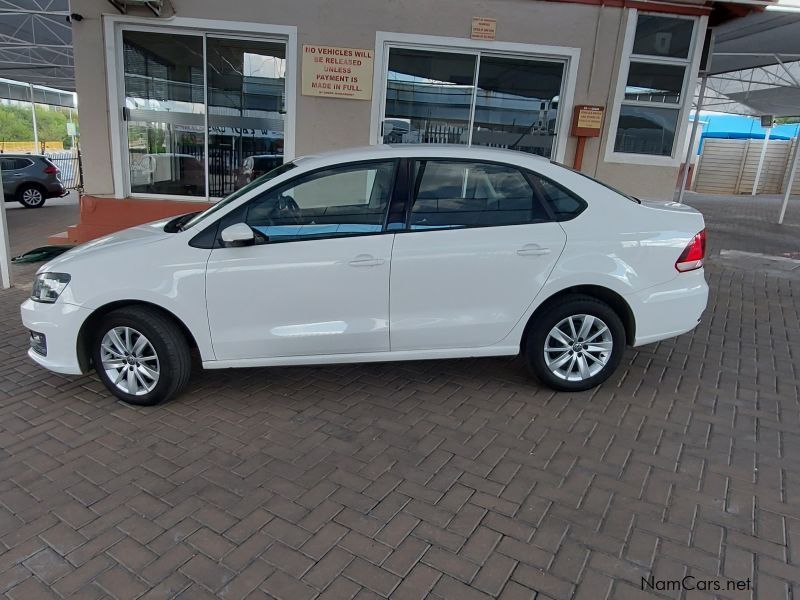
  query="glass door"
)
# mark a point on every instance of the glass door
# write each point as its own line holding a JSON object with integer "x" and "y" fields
{"x": 439, "y": 96}
{"x": 246, "y": 110}
{"x": 428, "y": 97}
{"x": 204, "y": 114}
{"x": 164, "y": 113}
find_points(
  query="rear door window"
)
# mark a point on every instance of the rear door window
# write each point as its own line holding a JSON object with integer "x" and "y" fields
{"x": 451, "y": 194}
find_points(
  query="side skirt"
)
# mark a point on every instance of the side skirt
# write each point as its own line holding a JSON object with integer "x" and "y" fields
{"x": 328, "y": 359}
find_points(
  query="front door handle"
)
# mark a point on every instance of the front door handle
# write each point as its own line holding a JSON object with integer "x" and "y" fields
{"x": 366, "y": 260}
{"x": 533, "y": 250}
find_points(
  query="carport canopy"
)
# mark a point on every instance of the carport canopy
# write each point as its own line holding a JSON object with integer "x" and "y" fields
{"x": 755, "y": 66}
{"x": 754, "y": 69}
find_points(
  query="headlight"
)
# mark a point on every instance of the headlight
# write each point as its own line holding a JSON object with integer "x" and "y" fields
{"x": 47, "y": 287}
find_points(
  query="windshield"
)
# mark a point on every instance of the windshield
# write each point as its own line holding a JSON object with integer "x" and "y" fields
{"x": 237, "y": 194}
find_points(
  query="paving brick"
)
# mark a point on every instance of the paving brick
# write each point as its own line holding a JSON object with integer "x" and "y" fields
{"x": 284, "y": 587}
{"x": 206, "y": 572}
{"x": 451, "y": 564}
{"x": 328, "y": 568}
{"x": 494, "y": 574}
{"x": 371, "y": 577}
{"x": 417, "y": 584}
{"x": 47, "y": 565}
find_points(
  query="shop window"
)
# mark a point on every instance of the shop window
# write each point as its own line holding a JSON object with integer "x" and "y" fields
{"x": 436, "y": 96}
{"x": 658, "y": 85}
{"x": 197, "y": 107}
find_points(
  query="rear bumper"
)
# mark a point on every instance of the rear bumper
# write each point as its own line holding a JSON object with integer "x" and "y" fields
{"x": 60, "y": 323}
{"x": 670, "y": 309}
{"x": 56, "y": 191}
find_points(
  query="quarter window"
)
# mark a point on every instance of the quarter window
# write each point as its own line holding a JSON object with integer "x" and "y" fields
{"x": 564, "y": 204}
{"x": 455, "y": 194}
{"x": 340, "y": 201}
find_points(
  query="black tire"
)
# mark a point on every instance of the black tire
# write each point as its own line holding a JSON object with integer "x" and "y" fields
{"x": 31, "y": 195}
{"x": 554, "y": 314}
{"x": 166, "y": 339}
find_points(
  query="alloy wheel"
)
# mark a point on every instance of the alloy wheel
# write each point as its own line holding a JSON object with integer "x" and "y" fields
{"x": 32, "y": 197}
{"x": 578, "y": 347}
{"x": 130, "y": 361}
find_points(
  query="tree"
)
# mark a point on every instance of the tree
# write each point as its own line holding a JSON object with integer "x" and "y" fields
{"x": 16, "y": 124}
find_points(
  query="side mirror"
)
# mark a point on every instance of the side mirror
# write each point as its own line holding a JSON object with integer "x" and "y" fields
{"x": 238, "y": 234}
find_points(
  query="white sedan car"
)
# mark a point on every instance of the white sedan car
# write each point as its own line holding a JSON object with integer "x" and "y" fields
{"x": 378, "y": 254}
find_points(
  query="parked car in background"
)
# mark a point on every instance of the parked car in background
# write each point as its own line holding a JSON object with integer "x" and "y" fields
{"x": 30, "y": 179}
{"x": 458, "y": 252}
{"x": 255, "y": 166}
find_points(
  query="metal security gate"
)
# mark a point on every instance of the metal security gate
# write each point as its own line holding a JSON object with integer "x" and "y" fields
{"x": 69, "y": 163}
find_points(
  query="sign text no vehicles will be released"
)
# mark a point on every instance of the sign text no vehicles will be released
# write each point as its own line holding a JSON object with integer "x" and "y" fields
{"x": 337, "y": 72}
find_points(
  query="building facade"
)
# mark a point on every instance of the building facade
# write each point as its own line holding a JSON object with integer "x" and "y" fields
{"x": 186, "y": 106}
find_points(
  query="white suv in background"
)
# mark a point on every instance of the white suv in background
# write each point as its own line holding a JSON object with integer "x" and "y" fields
{"x": 378, "y": 254}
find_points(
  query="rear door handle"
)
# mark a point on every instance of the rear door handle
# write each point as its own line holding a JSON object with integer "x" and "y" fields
{"x": 366, "y": 260}
{"x": 533, "y": 250}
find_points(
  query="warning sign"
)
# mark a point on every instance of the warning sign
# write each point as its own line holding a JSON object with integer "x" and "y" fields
{"x": 337, "y": 72}
{"x": 587, "y": 120}
{"x": 483, "y": 28}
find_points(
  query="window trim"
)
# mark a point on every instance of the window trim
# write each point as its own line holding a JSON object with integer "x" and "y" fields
{"x": 691, "y": 64}
{"x": 113, "y": 25}
{"x": 384, "y": 40}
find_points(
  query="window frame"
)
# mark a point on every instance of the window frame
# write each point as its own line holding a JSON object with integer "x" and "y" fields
{"x": 411, "y": 193}
{"x": 386, "y": 40}
{"x": 114, "y": 25}
{"x": 690, "y": 63}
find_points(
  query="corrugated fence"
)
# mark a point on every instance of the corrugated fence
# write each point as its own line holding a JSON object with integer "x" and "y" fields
{"x": 729, "y": 167}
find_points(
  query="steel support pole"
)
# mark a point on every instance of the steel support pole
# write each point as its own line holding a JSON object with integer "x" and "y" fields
{"x": 761, "y": 161}
{"x": 690, "y": 149}
{"x": 35, "y": 128}
{"x": 792, "y": 170}
{"x": 5, "y": 245}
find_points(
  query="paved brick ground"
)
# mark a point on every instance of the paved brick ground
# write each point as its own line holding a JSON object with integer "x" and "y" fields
{"x": 446, "y": 479}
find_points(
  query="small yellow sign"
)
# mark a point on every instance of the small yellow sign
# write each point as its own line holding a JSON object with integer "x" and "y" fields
{"x": 484, "y": 28}
{"x": 337, "y": 72}
{"x": 590, "y": 118}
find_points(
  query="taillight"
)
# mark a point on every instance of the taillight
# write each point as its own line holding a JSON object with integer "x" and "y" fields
{"x": 692, "y": 256}
{"x": 51, "y": 170}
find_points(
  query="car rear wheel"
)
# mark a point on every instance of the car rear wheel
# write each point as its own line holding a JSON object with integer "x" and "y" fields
{"x": 141, "y": 356}
{"x": 575, "y": 344}
{"x": 31, "y": 196}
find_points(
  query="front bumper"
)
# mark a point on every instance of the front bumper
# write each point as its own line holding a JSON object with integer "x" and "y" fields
{"x": 670, "y": 309}
{"x": 60, "y": 323}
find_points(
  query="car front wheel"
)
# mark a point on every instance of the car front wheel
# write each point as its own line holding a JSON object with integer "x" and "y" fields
{"x": 575, "y": 344}
{"x": 31, "y": 196}
{"x": 141, "y": 356}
